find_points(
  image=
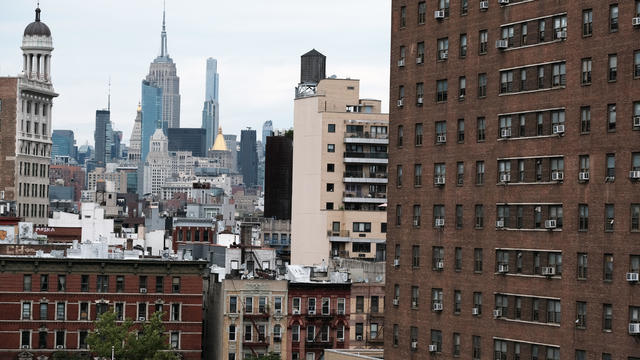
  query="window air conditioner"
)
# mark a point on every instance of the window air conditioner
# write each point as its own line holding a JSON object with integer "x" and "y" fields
{"x": 557, "y": 176}
{"x": 416, "y": 222}
{"x": 632, "y": 276}
{"x": 439, "y": 180}
{"x": 634, "y": 329}
{"x": 396, "y": 302}
{"x": 503, "y": 2}
{"x": 475, "y": 311}
{"x": 503, "y": 268}
{"x": 497, "y": 313}
{"x": 400, "y": 103}
{"x": 505, "y": 133}
{"x": 634, "y": 175}
{"x": 396, "y": 262}
{"x": 440, "y": 264}
{"x": 414, "y": 345}
{"x": 583, "y": 176}
{"x": 401, "y": 63}
{"x": 441, "y": 139}
{"x": 558, "y": 129}
{"x": 359, "y": 337}
{"x": 548, "y": 270}
{"x": 636, "y": 119}
{"x": 439, "y": 14}
{"x": 635, "y": 21}
{"x": 500, "y": 223}
{"x": 420, "y": 100}
{"x": 505, "y": 178}
{"x": 440, "y": 222}
{"x": 59, "y": 346}
{"x": 502, "y": 44}
{"x": 419, "y": 60}
{"x": 550, "y": 224}
{"x": 437, "y": 306}
{"x": 484, "y": 5}
{"x": 444, "y": 55}
{"x": 25, "y": 346}
{"x": 143, "y": 290}
{"x": 296, "y": 312}
{"x": 433, "y": 348}
{"x": 312, "y": 312}
{"x": 562, "y": 34}
{"x": 141, "y": 318}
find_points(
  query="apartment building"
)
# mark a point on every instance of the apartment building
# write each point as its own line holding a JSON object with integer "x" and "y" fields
{"x": 515, "y": 165}
{"x": 339, "y": 186}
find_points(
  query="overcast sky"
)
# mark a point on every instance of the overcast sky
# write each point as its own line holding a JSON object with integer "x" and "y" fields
{"x": 257, "y": 43}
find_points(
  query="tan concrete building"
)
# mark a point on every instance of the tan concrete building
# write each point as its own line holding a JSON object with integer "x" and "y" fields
{"x": 339, "y": 173}
{"x": 118, "y": 178}
{"x": 367, "y": 315}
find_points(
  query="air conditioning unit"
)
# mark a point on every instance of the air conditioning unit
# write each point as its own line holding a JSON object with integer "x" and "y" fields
{"x": 561, "y": 34}
{"x": 414, "y": 304}
{"x": 340, "y": 312}
{"x": 444, "y": 55}
{"x": 440, "y": 222}
{"x": 503, "y": 268}
{"x": 583, "y": 176}
{"x": 635, "y": 21}
{"x": 557, "y": 176}
{"x": 438, "y": 14}
{"x": 433, "y": 348}
{"x": 550, "y": 224}
{"x": 396, "y": 302}
{"x": 505, "y": 133}
{"x": 484, "y": 5}
{"x": 59, "y": 346}
{"x": 439, "y": 180}
{"x": 400, "y": 103}
{"x": 497, "y": 313}
{"x": 440, "y": 264}
{"x": 296, "y": 312}
{"x": 420, "y": 100}
{"x": 143, "y": 290}
{"x": 441, "y": 139}
{"x": 548, "y": 270}
{"x": 396, "y": 262}
{"x": 141, "y": 318}
{"x": 414, "y": 345}
{"x": 634, "y": 329}
{"x": 636, "y": 121}
{"x": 312, "y": 312}
{"x": 500, "y": 223}
{"x": 416, "y": 222}
{"x": 475, "y": 311}
{"x": 25, "y": 346}
{"x": 558, "y": 129}
{"x": 437, "y": 306}
{"x": 419, "y": 60}
{"x": 633, "y": 276}
{"x": 505, "y": 178}
{"x": 359, "y": 337}
{"x": 503, "y": 2}
{"x": 502, "y": 44}
{"x": 401, "y": 63}
{"x": 634, "y": 175}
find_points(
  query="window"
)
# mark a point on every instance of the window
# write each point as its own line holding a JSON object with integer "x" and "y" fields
{"x": 403, "y": 16}
{"x": 541, "y": 77}
{"x": 500, "y": 349}
{"x": 233, "y": 304}
{"x": 331, "y": 128}
{"x": 585, "y": 119}
{"x": 518, "y": 308}
{"x": 438, "y": 216}
{"x": 374, "y": 304}
{"x": 42, "y": 340}
{"x": 329, "y": 187}
{"x": 554, "y": 312}
{"x": 609, "y": 213}
{"x": 608, "y": 267}
{"x": 26, "y": 310}
{"x": 507, "y": 34}
{"x": 506, "y": 82}
{"x": 503, "y": 215}
{"x": 477, "y": 302}
{"x": 119, "y": 283}
{"x": 311, "y": 333}
{"x": 61, "y": 308}
{"x": 476, "y": 353}
{"x": 541, "y": 29}
{"x": 611, "y": 117}
{"x": 437, "y": 260}
{"x": 415, "y": 250}
{"x": 635, "y": 217}
{"x": 607, "y": 317}
{"x": 418, "y": 130}
{"x": 422, "y": 12}
{"x": 586, "y": 71}
{"x": 232, "y": 332}
{"x": 581, "y": 314}
{"x": 457, "y": 301}
{"x": 484, "y": 41}
{"x": 477, "y": 260}
{"x": 559, "y": 74}
{"x": 102, "y": 284}
{"x": 559, "y": 27}
{"x": 417, "y": 180}
{"x": 295, "y": 333}
{"x": 396, "y": 292}
{"x": 587, "y": 22}
{"x": 505, "y": 126}
{"x": 175, "y": 312}
{"x": 142, "y": 283}
{"x": 248, "y": 304}
{"x": 25, "y": 339}
{"x": 636, "y": 64}
{"x": 44, "y": 311}
{"x": 361, "y": 227}
{"x": 463, "y": 45}
{"x": 583, "y": 217}
{"x": 331, "y": 167}
{"x": 479, "y": 172}
{"x": 460, "y": 173}
{"x": 444, "y": 5}
{"x": 414, "y": 338}
{"x": 420, "y": 52}
{"x": 461, "y": 130}
{"x": 464, "y": 7}
{"x": 443, "y": 49}
{"x": 553, "y": 353}
{"x": 400, "y": 135}
{"x": 441, "y": 90}
{"x": 613, "y": 18}
{"x": 523, "y": 80}
{"x": 482, "y": 85}
{"x": 398, "y": 214}
{"x": 436, "y": 339}
{"x": 613, "y": 67}
{"x": 26, "y": 282}
{"x": 331, "y": 148}
{"x": 399, "y": 176}
{"x": 458, "y": 259}
{"x": 44, "y": 282}
{"x": 611, "y": 166}
{"x": 311, "y": 305}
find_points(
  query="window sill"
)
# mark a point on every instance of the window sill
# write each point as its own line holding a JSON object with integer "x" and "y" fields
{"x": 510, "y": 48}
{"x": 556, "y": 87}
{"x": 585, "y": 84}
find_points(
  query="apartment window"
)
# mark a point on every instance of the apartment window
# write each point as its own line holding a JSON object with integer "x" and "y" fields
{"x": 608, "y": 267}
{"x": 581, "y": 314}
{"x": 443, "y": 49}
{"x": 436, "y": 339}
{"x": 460, "y": 173}
{"x": 475, "y": 350}
{"x": 456, "y": 344}
{"x": 26, "y": 310}
{"x": 331, "y": 128}
{"x": 613, "y": 18}
{"x": 414, "y": 337}
{"x": 417, "y": 170}
{"x": 559, "y": 27}
{"x": 586, "y": 71}
{"x": 420, "y": 51}
{"x": 554, "y": 311}
{"x": 461, "y": 129}
{"x": 330, "y": 187}
{"x": 42, "y": 339}
{"x": 119, "y": 283}
{"x": 374, "y": 304}
{"x": 84, "y": 311}
{"x": 398, "y": 214}
{"x": 142, "y": 283}
{"x": 507, "y": 34}
{"x": 418, "y": 131}
{"x": 541, "y": 77}
{"x": 484, "y": 41}
{"x": 553, "y": 353}
{"x": 457, "y": 301}
{"x": 444, "y": 5}
{"x": 482, "y": 85}
{"x": 311, "y": 305}
{"x": 611, "y": 117}
{"x": 506, "y": 82}
{"x": 479, "y": 216}
{"x": 61, "y": 310}
{"x": 607, "y": 317}
{"x": 500, "y": 349}
{"x": 44, "y": 282}
{"x": 518, "y": 309}
{"x": 396, "y": 335}
{"x": 503, "y": 215}
{"x": 441, "y": 90}
{"x": 523, "y": 81}
{"x": 400, "y": 137}
{"x": 559, "y": 74}
{"x": 479, "y": 172}
{"x": 331, "y": 167}
{"x": 403, "y": 16}
{"x": 400, "y": 95}
{"x": 437, "y": 260}
{"x": 419, "y": 94}
{"x": 361, "y": 227}
{"x": 458, "y": 259}
{"x": 248, "y": 304}
{"x": 399, "y": 176}
{"x": 477, "y": 260}
{"x": 583, "y": 217}
{"x": 415, "y": 294}
{"x": 102, "y": 284}
{"x": 25, "y": 339}
{"x": 611, "y": 166}
{"x": 636, "y": 64}
{"x": 44, "y": 311}
{"x": 523, "y": 34}
{"x": 505, "y": 126}
{"x": 396, "y": 292}
{"x": 502, "y": 304}
{"x": 295, "y": 333}
{"x": 585, "y": 119}
{"x": 438, "y": 215}
{"x": 609, "y": 213}
{"x": 463, "y": 45}
{"x": 422, "y": 12}
{"x": 587, "y": 22}
{"x": 464, "y": 7}
{"x": 477, "y": 301}
{"x": 233, "y": 304}
{"x": 415, "y": 250}
{"x": 541, "y": 30}
{"x": 635, "y": 217}
{"x": 613, "y": 67}
{"x": 26, "y": 282}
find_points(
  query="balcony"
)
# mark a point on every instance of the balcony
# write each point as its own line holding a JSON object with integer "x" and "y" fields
{"x": 261, "y": 341}
{"x": 366, "y": 157}
{"x": 361, "y": 177}
{"x": 358, "y": 197}
{"x": 366, "y": 138}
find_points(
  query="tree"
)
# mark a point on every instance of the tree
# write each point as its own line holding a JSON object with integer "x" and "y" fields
{"x": 129, "y": 341}
{"x": 269, "y": 356}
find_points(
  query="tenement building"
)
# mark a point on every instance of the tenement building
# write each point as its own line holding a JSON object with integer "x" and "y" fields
{"x": 514, "y": 199}
{"x": 25, "y": 126}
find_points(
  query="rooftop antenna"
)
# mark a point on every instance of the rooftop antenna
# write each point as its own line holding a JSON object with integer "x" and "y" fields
{"x": 109, "y": 96}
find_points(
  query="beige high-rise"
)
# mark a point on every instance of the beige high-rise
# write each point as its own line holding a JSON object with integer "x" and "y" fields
{"x": 339, "y": 174}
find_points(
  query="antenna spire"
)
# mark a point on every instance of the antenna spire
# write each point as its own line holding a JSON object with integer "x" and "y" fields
{"x": 163, "y": 36}
{"x": 109, "y": 96}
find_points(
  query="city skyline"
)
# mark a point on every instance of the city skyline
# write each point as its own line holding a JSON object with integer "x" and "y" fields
{"x": 135, "y": 31}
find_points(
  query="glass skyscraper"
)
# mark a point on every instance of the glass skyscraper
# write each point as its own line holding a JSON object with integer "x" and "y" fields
{"x": 210, "y": 120}
{"x": 151, "y": 114}
{"x": 63, "y": 143}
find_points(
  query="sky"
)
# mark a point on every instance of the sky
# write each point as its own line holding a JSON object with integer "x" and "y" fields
{"x": 257, "y": 44}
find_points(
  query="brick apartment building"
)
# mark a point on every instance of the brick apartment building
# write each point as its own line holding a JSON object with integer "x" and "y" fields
{"x": 50, "y": 304}
{"x": 514, "y": 166}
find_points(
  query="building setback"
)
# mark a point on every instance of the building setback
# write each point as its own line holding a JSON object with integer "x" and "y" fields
{"x": 50, "y": 305}
{"x": 511, "y": 250}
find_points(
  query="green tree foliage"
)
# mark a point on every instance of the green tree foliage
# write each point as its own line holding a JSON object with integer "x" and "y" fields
{"x": 130, "y": 341}
{"x": 269, "y": 356}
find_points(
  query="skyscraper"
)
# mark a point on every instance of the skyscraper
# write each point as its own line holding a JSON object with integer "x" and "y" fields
{"x": 100, "y": 136}
{"x": 163, "y": 74}
{"x": 267, "y": 130}
{"x": 277, "y": 182}
{"x": 135, "y": 142}
{"x": 248, "y": 157}
{"x": 210, "y": 120}
{"x": 151, "y": 114}
{"x": 232, "y": 145}
{"x": 63, "y": 143}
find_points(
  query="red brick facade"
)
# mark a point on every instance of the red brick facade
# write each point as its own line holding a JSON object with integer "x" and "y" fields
{"x": 8, "y": 113}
